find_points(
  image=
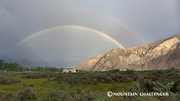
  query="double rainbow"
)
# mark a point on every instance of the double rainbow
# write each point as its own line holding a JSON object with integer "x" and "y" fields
{"x": 70, "y": 26}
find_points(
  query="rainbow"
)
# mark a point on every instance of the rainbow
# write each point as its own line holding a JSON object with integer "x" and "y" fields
{"x": 70, "y": 26}
{"x": 118, "y": 22}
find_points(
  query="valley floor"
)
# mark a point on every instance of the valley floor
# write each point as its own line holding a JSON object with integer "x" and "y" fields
{"x": 87, "y": 86}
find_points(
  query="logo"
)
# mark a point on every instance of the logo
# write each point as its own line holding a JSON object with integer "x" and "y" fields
{"x": 109, "y": 94}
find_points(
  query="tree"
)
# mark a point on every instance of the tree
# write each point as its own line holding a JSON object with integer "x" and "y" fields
{"x": 1, "y": 64}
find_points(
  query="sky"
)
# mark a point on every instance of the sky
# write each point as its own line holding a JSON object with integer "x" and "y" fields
{"x": 129, "y": 22}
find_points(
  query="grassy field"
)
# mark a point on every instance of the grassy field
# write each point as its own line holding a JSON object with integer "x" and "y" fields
{"x": 50, "y": 86}
{"x": 103, "y": 88}
{"x": 43, "y": 86}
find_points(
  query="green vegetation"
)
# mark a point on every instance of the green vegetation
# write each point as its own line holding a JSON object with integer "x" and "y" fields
{"x": 39, "y": 75}
{"x": 4, "y": 79}
{"x": 10, "y": 66}
{"x": 15, "y": 67}
{"x": 97, "y": 77}
{"x": 44, "y": 88}
{"x": 45, "y": 84}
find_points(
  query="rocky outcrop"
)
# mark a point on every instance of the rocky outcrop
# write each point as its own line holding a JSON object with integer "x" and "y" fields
{"x": 87, "y": 64}
{"x": 162, "y": 54}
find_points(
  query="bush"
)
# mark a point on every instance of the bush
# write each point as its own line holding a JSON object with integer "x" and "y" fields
{"x": 38, "y": 75}
{"x": 31, "y": 85}
{"x": 87, "y": 95}
{"x": 7, "y": 80}
{"x": 60, "y": 94}
{"x": 26, "y": 94}
{"x": 63, "y": 94}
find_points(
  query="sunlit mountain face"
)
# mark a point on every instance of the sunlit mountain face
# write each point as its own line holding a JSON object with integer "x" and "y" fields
{"x": 62, "y": 33}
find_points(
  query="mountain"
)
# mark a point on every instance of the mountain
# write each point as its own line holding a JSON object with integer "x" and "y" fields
{"x": 31, "y": 64}
{"x": 58, "y": 63}
{"x": 7, "y": 59}
{"x": 162, "y": 54}
{"x": 88, "y": 63}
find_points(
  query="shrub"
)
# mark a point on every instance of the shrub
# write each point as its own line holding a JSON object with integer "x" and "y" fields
{"x": 63, "y": 94}
{"x": 87, "y": 95}
{"x": 26, "y": 94}
{"x": 31, "y": 85}
{"x": 38, "y": 75}
{"x": 60, "y": 94}
{"x": 8, "y": 80}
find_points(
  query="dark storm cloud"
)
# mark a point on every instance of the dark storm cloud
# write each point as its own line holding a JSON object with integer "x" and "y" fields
{"x": 150, "y": 20}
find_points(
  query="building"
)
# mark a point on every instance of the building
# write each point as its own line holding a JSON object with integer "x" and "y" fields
{"x": 69, "y": 70}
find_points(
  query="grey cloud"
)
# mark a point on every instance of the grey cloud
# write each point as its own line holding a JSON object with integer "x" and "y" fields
{"x": 150, "y": 20}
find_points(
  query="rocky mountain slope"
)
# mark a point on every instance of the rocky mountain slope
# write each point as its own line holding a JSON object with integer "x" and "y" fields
{"x": 88, "y": 64}
{"x": 162, "y": 54}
